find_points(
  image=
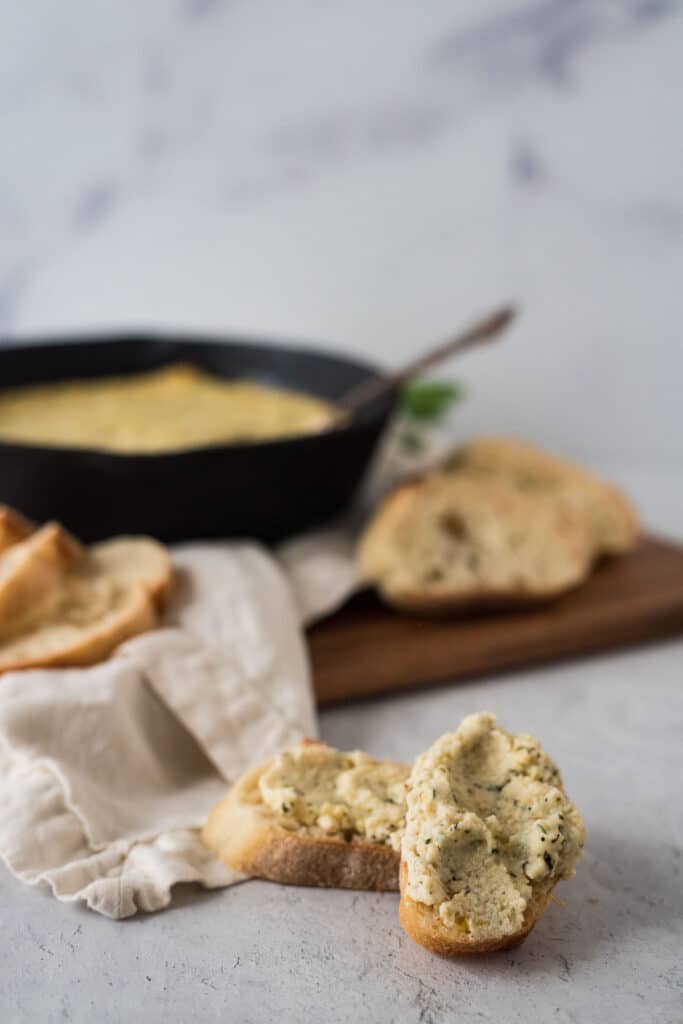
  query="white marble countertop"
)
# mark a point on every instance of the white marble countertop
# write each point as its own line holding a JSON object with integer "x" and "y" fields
{"x": 371, "y": 174}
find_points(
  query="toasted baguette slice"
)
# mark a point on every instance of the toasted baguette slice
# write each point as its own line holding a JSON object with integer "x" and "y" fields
{"x": 452, "y": 541}
{"x": 13, "y": 527}
{"x": 136, "y": 561}
{"x": 62, "y": 640}
{"x": 97, "y": 599}
{"x": 489, "y": 832}
{"x": 31, "y": 571}
{"x": 425, "y": 927}
{"x": 336, "y": 795}
{"x": 607, "y": 511}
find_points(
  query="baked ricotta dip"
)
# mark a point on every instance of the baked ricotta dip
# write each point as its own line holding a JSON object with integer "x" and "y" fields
{"x": 328, "y": 793}
{"x": 489, "y": 829}
{"x": 177, "y": 407}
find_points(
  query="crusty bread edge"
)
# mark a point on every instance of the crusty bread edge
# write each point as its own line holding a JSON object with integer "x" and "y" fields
{"x": 59, "y": 545}
{"x": 416, "y": 602}
{"x": 456, "y": 461}
{"x": 160, "y": 587}
{"x": 632, "y": 523}
{"x": 424, "y": 926}
{"x": 248, "y": 839}
{"x": 13, "y": 527}
{"x": 160, "y": 590}
{"x": 99, "y": 643}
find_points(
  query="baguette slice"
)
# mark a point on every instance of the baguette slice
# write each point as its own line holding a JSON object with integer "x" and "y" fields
{"x": 426, "y": 928}
{"x": 31, "y": 571}
{"x": 62, "y": 640}
{"x": 247, "y": 833}
{"x": 98, "y": 598}
{"x": 609, "y": 514}
{"x": 489, "y": 832}
{"x": 452, "y": 541}
{"x": 136, "y": 561}
{"x": 13, "y": 527}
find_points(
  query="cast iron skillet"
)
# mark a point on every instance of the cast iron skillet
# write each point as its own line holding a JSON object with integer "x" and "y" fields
{"x": 267, "y": 491}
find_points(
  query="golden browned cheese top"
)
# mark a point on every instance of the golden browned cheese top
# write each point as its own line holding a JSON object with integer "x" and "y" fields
{"x": 176, "y": 407}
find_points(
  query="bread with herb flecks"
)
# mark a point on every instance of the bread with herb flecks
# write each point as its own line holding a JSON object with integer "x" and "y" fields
{"x": 314, "y": 816}
{"x": 498, "y": 523}
{"x": 489, "y": 833}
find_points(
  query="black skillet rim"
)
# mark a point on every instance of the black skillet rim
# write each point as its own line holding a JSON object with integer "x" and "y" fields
{"x": 382, "y": 407}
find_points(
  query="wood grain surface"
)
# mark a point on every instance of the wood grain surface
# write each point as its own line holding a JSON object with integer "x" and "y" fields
{"x": 367, "y": 649}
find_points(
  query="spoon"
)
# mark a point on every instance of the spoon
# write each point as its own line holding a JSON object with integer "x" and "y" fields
{"x": 483, "y": 330}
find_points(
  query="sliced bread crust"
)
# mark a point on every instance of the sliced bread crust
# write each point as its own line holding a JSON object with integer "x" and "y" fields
{"x": 50, "y": 644}
{"x": 499, "y": 523}
{"x": 62, "y": 604}
{"x": 13, "y": 527}
{"x": 425, "y": 927}
{"x": 449, "y": 542}
{"x": 246, "y": 836}
{"x": 610, "y": 515}
{"x": 31, "y": 570}
{"x": 136, "y": 561}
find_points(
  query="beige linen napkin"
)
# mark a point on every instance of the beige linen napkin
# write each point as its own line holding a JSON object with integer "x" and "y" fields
{"x": 107, "y": 772}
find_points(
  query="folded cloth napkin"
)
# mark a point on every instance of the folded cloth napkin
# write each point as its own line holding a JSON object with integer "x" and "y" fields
{"x": 107, "y": 772}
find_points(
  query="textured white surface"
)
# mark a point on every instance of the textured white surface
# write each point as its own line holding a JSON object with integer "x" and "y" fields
{"x": 369, "y": 174}
{"x": 260, "y": 952}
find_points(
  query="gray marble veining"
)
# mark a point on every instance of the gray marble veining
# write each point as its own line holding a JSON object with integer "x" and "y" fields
{"x": 365, "y": 174}
{"x": 370, "y": 174}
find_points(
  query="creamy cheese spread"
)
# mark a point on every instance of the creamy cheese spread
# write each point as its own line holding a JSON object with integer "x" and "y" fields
{"x": 488, "y": 826}
{"x": 176, "y": 407}
{"x": 325, "y": 792}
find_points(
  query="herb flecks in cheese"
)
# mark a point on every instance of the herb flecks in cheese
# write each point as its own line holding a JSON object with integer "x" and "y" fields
{"x": 488, "y": 827}
{"x": 325, "y": 792}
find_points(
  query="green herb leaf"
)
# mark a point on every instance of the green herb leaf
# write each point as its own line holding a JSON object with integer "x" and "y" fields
{"x": 430, "y": 400}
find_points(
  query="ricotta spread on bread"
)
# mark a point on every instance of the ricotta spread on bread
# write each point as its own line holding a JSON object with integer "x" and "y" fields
{"x": 326, "y": 792}
{"x": 488, "y": 827}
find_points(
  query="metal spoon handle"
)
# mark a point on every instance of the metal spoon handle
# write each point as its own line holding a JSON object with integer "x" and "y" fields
{"x": 483, "y": 330}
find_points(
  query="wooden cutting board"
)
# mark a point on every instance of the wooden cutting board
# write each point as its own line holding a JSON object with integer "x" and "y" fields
{"x": 367, "y": 649}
